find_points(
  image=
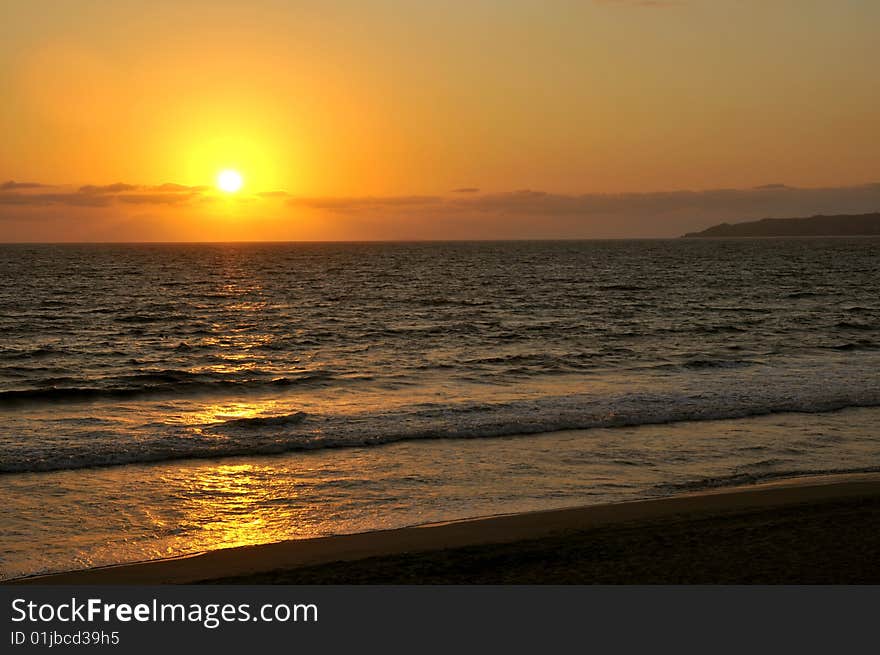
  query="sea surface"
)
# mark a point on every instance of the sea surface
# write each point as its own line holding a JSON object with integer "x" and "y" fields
{"x": 164, "y": 399}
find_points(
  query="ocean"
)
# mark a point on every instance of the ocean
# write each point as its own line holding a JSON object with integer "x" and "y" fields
{"x": 157, "y": 400}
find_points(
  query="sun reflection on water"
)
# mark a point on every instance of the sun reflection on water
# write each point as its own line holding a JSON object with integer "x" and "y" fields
{"x": 220, "y": 412}
{"x": 227, "y": 503}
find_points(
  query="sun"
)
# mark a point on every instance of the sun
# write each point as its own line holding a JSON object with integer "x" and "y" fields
{"x": 229, "y": 181}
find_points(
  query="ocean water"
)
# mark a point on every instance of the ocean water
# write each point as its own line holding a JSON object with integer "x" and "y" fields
{"x": 163, "y": 399}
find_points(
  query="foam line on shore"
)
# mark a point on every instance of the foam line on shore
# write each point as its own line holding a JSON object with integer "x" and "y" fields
{"x": 292, "y": 554}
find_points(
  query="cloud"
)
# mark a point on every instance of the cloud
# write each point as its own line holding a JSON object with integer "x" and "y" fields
{"x": 156, "y": 198}
{"x": 366, "y": 203}
{"x": 119, "y": 187}
{"x": 537, "y": 214}
{"x": 12, "y": 184}
{"x": 171, "y": 187}
{"x": 467, "y": 189}
{"x": 653, "y": 4}
{"x": 771, "y": 198}
{"x": 460, "y": 214}
{"x": 92, "y": 195}
{"x": 75, "y": 199}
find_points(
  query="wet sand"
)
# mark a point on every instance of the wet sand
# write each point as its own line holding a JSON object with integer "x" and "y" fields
{"x": 822, "y": 530}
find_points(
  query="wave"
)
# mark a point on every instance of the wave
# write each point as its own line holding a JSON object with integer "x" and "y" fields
{"x": 624, "y": 287}
{"x": 37, "y": 387}
{"x": 717, "y": 363}
{"x": 143, "y": 318}
{"x": 166, "y": 383}
{"x": 532, "y": 363}
{"x": 295, "y": 430}
{"x": 861, "y": 344}
{"x": 265, "y": 421}
{"x": 747, "y": 478}
{"x": 462, "y": 302}
{"x": 703, "y": 363}
{"x": 851, "y": 325}
{"x": 40, "y": 352}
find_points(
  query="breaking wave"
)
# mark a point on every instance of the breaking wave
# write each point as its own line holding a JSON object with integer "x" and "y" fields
{"x": 698, "y": 398}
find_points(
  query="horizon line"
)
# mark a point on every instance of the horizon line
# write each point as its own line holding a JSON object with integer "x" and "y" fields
{"x": 291, "y": 241}
{"x": 368, "y": 241}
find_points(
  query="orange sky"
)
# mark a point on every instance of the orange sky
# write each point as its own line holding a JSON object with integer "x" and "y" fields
{"x": 336, "y": 103}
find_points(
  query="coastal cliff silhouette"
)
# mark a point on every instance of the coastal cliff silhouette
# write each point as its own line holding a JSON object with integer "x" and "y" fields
{"x": 813, "y": 226}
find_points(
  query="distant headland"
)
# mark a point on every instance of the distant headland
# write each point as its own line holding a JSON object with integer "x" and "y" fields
{"x": 813, "y": 226}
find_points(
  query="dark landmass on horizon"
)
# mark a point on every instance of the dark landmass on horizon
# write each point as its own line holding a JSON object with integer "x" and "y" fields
{"x": 813, "y": 226}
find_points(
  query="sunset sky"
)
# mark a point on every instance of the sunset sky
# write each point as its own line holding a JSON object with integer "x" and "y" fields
{"x": 406, "y": 120}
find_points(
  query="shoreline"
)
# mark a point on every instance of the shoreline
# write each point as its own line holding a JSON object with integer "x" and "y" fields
{"x": 242, "y": 564}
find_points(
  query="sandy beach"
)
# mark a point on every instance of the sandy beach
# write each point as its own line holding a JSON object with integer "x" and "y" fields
{"x": 809, "y": 530}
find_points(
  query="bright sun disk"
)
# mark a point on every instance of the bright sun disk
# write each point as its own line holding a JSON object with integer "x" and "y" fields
{"x": 229, "y": 181}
